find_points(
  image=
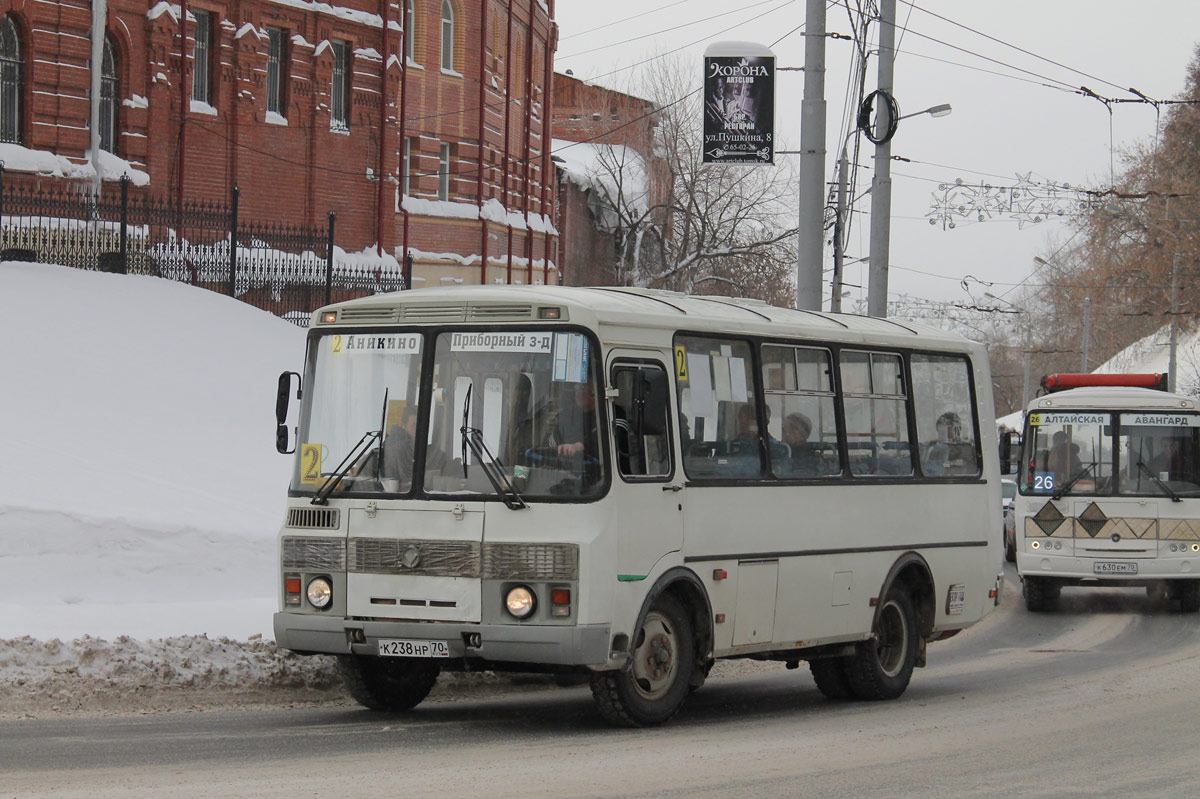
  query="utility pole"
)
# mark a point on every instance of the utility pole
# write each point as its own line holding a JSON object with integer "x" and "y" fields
{"x": 811, "y": 229}
{"x": 881, "y": 183}
{"x": 1087, "y": 328}
{"x": 1174, "y": 327}
{"x": 1028, "y": 355}
{"x": 839, "y": 233}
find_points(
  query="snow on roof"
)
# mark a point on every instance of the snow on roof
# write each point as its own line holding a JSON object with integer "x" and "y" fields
{"x": 43, "y": 162}
{"x": 596, "y": 167}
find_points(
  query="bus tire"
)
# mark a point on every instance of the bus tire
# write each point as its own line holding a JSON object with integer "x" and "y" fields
{"x": 389, "y": 684}
{"x": 1010, "y": 549}
{"x": 1157, "y": 592}
{"x": 1040, "y": 594}
{"x": 652, "y": 688}
{"x": 830, "y": 676}
{"x": 1188, "y": 592}
{"x": 881, "y": 666}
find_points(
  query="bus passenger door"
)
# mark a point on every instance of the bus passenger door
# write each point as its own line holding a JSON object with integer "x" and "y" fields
{"x": 647, "y": 490}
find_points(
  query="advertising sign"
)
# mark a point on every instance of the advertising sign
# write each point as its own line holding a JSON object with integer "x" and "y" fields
{"x": 739, "y": 104}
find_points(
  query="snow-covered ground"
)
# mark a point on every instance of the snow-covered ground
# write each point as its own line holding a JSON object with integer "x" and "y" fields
{"x": 140, "y": 490}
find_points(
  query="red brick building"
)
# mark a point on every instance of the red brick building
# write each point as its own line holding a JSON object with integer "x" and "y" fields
{"x": 305, "y": 106}
{"x": 586, "y": 120}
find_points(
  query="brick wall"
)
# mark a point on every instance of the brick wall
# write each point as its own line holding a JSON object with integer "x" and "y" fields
{"x": 300, "y": 167}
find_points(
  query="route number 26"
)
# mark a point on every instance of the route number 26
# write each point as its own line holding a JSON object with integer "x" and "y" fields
{"x": 1043, "y": 481}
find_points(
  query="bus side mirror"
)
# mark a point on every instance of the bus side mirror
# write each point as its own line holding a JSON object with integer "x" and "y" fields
{"x": 283, "y": 396}
{"x": 1006, "y": 453}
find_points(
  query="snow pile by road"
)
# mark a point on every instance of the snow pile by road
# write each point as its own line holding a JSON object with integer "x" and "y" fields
{"x": 140, "y": 490}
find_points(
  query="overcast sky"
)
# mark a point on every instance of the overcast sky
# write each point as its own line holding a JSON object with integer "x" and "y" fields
{"x": 1014, "y": 114}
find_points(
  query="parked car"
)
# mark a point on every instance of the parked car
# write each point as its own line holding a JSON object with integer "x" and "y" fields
{"x": 1008, "y": 525}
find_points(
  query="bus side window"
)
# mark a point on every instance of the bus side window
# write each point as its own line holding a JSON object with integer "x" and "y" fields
{"x": 640, "y": 423}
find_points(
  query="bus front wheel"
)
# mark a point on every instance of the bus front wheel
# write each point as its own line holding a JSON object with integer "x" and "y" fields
{"x": 390, "y": 684}
{"x": 881, "y": 666}
{"x": 652, "y": 688}
{"x": 1040, "y": 593}
{"x": 1188, "y": 594}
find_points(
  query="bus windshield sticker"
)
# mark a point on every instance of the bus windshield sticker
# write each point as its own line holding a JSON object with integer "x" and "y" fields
{"x": 703, "y": 401}
{"x": 513, "y": 341}
{"x": 681, "y": 364}
{"x": 737, "y": 379}
{"x": 1161, "y": 419}
{"x": 389, "y": 344}
{"x": 570, "y": 358}
{"x": 721, "y": 382}
{"x": 1037, "y": 419}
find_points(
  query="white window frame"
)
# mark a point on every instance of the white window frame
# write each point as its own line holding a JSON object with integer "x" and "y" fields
{"x": 444, "y": 172}
{"x": 447, "y": 36}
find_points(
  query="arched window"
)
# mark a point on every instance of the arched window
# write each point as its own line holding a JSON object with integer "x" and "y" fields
{"x": 410, "y": 31}
{"x": 447, "y": 35}
{"x": 110, "y": 99}
{"x": 12, "y": 76}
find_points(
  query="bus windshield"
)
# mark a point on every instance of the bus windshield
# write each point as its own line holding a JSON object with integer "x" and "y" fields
{"x": 1148, "y": 453}
{"x": 362, "y": 385}
{"x": 530, "y": 399}
{"x": 1157, "y": 450}
{"x": 1067, "y": 446}
{"x": 534, "y": 398}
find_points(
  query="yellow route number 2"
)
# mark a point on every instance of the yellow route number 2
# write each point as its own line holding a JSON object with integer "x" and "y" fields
{"x": 310, "y": 463}
{"x": 681, "y": 363}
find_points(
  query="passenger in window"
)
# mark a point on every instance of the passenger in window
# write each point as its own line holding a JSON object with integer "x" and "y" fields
{"x": 950, "y": 454}
{"x": 807, "y": 460}
{"x": 1064, "y": 458}
{"x": 796, "y": 429}
{"x": 1168, "y": 464}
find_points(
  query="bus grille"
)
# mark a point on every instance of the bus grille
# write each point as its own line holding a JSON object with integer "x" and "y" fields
{"x": 311, "y": 554}
{"x": 368, "y": 315}
{"x": 430, "y": 558}
{"x": 531, "y": 561}
{"x": 464, "y": 559}
{"x": 313, "y": 518}
{"x": 480, "y": 313}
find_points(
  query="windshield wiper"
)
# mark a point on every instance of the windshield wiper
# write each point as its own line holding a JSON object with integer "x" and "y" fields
{"x": 359, "y": 449}
{"x": 1158, "y": 482}
{"x": 1058, "y": 494}
{"x": 492, "y": 467}
{"x": 322, "y": 496}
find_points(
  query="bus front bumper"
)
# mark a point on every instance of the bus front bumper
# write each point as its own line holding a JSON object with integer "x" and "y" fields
{"x": 583, "y": 645}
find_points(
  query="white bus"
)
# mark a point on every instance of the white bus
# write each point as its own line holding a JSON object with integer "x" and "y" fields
{"x": 1109, "y": 489}
{"x": 630, "y": 484}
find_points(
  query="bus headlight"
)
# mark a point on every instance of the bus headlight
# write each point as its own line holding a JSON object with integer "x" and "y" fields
{"x": 320, "y": 592}
{"x": 520, "y": 602}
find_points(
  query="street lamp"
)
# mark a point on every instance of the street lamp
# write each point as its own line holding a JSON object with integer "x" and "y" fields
{"x": 1028, "y": 344}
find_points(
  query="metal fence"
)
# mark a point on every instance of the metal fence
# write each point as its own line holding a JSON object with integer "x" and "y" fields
{"x": 289, "y": 270}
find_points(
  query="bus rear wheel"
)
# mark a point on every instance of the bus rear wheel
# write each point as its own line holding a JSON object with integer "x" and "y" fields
{"x": 882, "y": 666}
{"x": 390, "y": 684}
{"x": 830, "y": 676}
{"x": 652, "y": 688}
{"x": 1040, "y": 593}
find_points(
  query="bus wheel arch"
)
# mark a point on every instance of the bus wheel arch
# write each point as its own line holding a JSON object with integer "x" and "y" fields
{"x": 882, "y": 665}
{"x": 670, "y": 652}
{"x": 912, "y": 573}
